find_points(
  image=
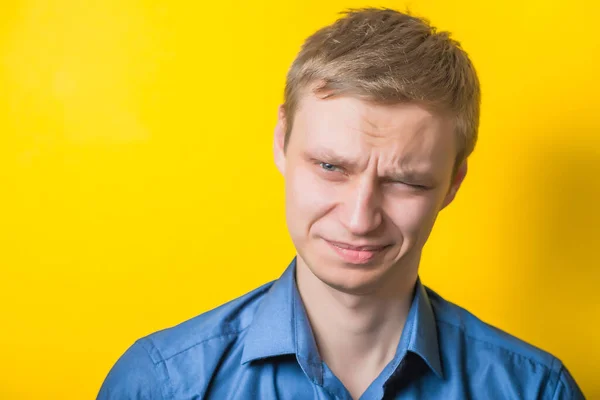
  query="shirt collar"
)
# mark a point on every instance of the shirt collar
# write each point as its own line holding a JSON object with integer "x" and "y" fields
{"x": 281, "y": 327}
{"x": 420, "y": 331}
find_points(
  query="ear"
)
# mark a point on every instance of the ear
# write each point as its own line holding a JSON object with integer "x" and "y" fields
{"x": 457, "y": 180}
{"x": 279, "y": 139}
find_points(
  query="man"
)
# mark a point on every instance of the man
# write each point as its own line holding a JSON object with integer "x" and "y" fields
{"x": 380, "y": 115}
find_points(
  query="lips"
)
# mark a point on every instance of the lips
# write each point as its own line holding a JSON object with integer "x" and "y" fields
{"x": 357, "y": 248}
{"x": 356, "y": 254}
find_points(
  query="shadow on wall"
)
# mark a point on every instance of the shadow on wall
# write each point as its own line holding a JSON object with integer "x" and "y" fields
{"x": 561, "y": 211}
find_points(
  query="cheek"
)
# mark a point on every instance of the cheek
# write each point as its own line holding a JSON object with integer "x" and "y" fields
{"x": 413, "y": 215}
{"x": 308, "y": 194}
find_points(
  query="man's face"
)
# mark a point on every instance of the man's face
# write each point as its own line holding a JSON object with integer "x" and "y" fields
{"x": 362, "y": 174}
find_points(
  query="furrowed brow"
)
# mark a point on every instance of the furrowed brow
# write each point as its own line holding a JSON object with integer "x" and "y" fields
{"x": 403, "y": 172}
{"x": 410, "y": 174}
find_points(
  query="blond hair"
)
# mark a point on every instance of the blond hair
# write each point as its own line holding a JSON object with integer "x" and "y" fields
{"x": 387, "y": 56}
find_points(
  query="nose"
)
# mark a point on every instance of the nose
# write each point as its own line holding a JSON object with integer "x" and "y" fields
{"x": 362, "y": 208}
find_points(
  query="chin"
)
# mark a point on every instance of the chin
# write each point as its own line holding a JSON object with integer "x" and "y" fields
{"x": 359, "y": 285}
{"x": 349, "y": 278}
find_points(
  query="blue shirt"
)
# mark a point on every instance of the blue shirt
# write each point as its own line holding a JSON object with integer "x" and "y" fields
{"x": 261, "y": 346}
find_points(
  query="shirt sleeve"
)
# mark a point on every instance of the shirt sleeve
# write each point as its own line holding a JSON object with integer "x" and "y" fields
{"x": 134, "y": 376}
{"x": 567, "y": 388}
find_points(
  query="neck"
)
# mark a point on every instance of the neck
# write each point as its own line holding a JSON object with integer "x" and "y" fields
{"x": 357, "y": 335}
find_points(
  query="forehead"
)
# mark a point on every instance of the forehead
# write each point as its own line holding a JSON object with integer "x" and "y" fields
{"x": 357, "y": 128}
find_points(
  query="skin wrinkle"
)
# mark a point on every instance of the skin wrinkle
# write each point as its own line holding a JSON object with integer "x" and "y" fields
{"x": 357, "y": 311}
{"x": 406, "y": 163}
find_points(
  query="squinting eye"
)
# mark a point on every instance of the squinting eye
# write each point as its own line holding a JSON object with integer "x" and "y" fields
{"x": 419, "y": 187}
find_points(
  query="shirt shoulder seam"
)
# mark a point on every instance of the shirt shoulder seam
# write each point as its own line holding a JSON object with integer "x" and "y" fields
{"x": 558, "y": 383}
{"x": 167, "y": 388}
{"x": 217, "y": 336}
{"x": 506, "y": 350}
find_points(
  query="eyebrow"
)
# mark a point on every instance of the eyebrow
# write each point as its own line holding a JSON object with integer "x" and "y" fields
{"x": 402, "y": 173}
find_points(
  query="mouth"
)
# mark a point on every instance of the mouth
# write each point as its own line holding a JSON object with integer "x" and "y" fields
{"x": 356, "y": 254}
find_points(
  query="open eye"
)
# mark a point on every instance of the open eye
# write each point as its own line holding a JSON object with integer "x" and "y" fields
{"x": 328, "y": 167}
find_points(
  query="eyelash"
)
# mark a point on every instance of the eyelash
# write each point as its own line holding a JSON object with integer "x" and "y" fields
{"x": 322, "y": 164}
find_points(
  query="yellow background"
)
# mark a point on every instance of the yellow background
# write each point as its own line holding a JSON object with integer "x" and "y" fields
{"x": 138, "y": 188}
